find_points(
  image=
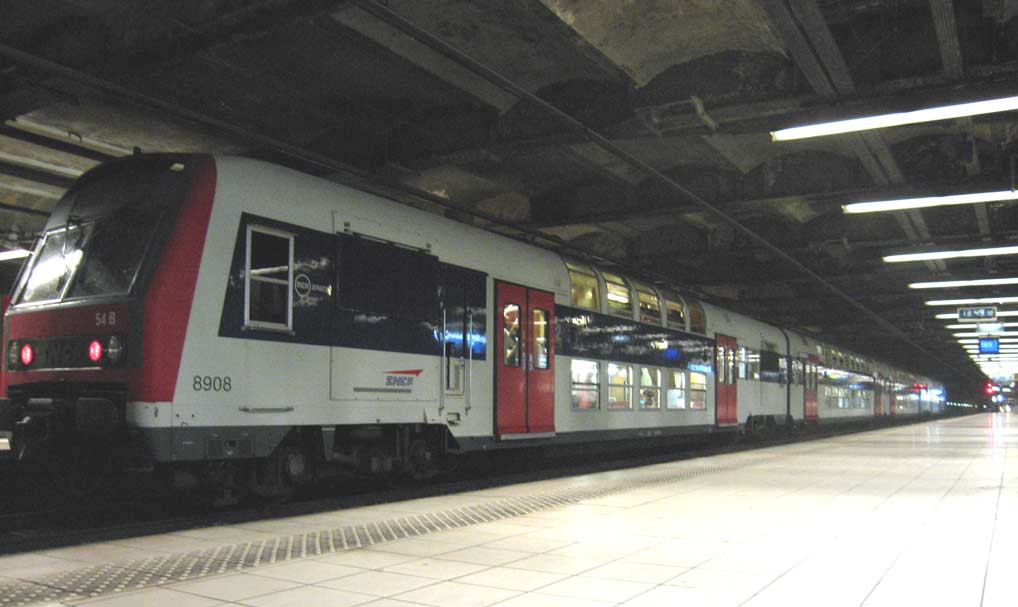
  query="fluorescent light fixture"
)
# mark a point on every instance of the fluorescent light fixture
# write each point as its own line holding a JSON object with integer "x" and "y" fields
{"x": 881, "y": 121}
{"x": 14, "y": 254}
{"x": 966, "y": 341}
{"x": 954, "y": 284}
{"x": 970, "y": 325}
{"x": 985, "y": 252}
{"x": 954, "y": 315}
{"x": 903, "y": 204}
{"x": 970, "y": 301}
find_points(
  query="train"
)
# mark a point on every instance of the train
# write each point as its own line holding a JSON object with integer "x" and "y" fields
{"x": 244, "y": 324}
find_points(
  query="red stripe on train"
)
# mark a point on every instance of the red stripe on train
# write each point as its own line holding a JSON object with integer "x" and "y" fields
{"x": 171, "y": 292}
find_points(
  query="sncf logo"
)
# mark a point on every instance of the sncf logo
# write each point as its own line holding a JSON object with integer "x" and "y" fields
{"x": 401, "y": 379}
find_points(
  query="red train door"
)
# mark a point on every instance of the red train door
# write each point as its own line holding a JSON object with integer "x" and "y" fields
{"x": 727, "y": 390}
{"x": 524, "y": 360}
{"x": 810, "y": 392}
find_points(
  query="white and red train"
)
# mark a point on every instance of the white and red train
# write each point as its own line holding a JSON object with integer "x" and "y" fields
{"x": 195, "y": 312}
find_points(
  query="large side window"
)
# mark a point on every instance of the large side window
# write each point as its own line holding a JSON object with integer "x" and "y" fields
{"x": 586, "y": 384}
{"x": 697, "y": 390}
{"x": 381, "y": 278}
{"x": 620, "y": 386}
{"x": 650, "y": 388}
{"x": 269, "y": 279}
{"x": 540, "y": 339}
{"x": 619, "y": 301}
{"x": 583, "y": 286}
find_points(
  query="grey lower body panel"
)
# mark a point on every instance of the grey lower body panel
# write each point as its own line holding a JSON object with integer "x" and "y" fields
{"x": 487, "y": 443}
{"x": 207, "y": 443}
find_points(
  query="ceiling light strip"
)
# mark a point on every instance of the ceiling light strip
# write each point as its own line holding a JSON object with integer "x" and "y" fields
{"x": 972, "y": 301}
{"x": 882, "y": 121}
{"x": 904, "y": 204}
{"x": 934, "y": 255}
{"x": 955, "y": 284}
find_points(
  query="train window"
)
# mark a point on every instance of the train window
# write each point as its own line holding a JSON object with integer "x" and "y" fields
{"x": 676, "y": 315}
{"x": 697, "y": 318}
{"x": 752, "y": 364}
{"x": 619, "y": 301}
{"x": 650, "y": 388}
{"x": 583, "y": 284}
{"x": 731, "y": 358}
{"x": 54, "y": 264}
{"x": 697, "y": 390}
{"x": 511, "y": 354}
{"x": 387, "y": 280}
{"x": 741, "y": 361}
{"x": 269, "y": 279}
{"x": 797, "y": 371}
{"x": 586, "y": 384}
{"x": 650, "y": 305}
{"x": 783, "y": 377}
{"x": 620, "y": 386}
{"x": 115, "y": 251}
{"x": 722, "y": 364}
{"x": 540, "y": 339}
{"x": 676, "y": 389}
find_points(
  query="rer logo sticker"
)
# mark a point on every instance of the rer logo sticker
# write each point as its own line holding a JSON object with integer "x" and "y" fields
{"x": 401, "y": 379}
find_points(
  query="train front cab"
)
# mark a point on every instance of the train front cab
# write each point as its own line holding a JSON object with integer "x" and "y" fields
{"x": 75, "y": 335}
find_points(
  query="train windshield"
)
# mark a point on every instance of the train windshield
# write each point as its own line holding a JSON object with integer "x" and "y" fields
{"x": 92, "y": 260}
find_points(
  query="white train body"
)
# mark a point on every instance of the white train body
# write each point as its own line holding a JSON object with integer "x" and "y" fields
{"x": 267, "y": 302}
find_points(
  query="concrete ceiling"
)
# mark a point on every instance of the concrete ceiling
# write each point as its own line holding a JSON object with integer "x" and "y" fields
{"x": 687, "y": 87}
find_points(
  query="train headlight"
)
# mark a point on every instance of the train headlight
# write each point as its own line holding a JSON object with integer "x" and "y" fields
{"x": 114, "y": 349}
{"x": 27, "y": 354}
{"x": 13, "y": 353}
{"x": 95, "y": 351}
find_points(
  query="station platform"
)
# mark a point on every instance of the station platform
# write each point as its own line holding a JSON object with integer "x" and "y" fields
{"x": 913, "y": 515}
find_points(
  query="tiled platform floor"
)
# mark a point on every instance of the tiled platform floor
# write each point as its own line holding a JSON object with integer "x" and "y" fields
{"x": 917, "y": 515}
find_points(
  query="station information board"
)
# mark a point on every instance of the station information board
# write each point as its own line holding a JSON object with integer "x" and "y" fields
{"x": 979, "y": 314}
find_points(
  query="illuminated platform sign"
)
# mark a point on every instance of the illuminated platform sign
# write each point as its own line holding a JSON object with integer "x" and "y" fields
{"x": 989, "y": 345}
{"x": 980, "y": 314}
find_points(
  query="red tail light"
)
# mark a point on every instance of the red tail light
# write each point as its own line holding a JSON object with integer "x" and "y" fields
{"x": 95, "y": 351}
{"x": 27, "y": 354}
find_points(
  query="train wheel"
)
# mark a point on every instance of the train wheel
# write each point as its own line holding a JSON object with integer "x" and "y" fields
{"x": 421, "y": 459}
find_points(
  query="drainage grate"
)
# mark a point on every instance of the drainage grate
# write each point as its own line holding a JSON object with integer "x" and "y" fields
{"x": 112, "y": 578}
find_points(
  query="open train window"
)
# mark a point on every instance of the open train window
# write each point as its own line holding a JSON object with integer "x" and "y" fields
{"x": 268, "y": 284}
{"x": 584, "y": 290}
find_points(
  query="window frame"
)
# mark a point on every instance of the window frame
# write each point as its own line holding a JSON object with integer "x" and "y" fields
{"x": 690, "y": 390}
{"x": 584, "y": 270}
{"x": 672, "y": 374}
{"x": 261, "y": 324}
{"x": 672, "y": 299}
{"x": 643, "y": 289}
{"x": 656, "y": 388}
{"x": 587, "y": 386}
{"x": 695, "y": 310}
{"x": 520, "y": 356}
{"x": 547, "y": 344}
{"x": 628, "y": 387}
{"x": 624, "y": 282}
